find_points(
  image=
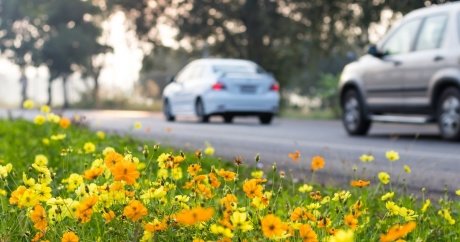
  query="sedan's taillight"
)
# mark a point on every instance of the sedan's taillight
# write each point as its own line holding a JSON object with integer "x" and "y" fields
{"x": 218, "y": 86}
{"x": 275, "y": 87}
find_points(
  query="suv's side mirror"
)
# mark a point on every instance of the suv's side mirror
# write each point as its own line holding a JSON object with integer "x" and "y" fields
{"x": 374, "y": 51}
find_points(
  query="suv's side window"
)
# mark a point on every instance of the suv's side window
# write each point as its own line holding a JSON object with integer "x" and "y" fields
{"x": 401, "y": 41}
{"x": 432, "y": 33}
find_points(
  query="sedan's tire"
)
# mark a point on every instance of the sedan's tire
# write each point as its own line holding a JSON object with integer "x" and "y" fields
{"x": 266, "y": 118}
{"x": 354, "y": 116}
{"x": 448, "y": 114}
{"x": 228, "y": 119}
{"x": 167, "y": 111}
{"x": 200, "y": 113}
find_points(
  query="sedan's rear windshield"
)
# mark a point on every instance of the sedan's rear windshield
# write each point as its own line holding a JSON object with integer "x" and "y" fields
{"x": 224, "y": 69}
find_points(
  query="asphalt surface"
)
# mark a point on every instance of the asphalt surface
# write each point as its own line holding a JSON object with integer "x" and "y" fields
{"x": 435, "y": 163}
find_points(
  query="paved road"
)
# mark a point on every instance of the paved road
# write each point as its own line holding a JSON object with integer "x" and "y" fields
{"x": 435, "y": 163}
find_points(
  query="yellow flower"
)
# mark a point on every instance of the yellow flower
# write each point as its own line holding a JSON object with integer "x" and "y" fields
{"x": 446, "y": 215}
{"x": 137, "y": 125}
{"x": 45, "y": 141}
{"x": 392, "y": 155}
{"x": 457, "y": 192}
{"x": 426, "y": 205}
{"x": 387, "y": 196}
{"x": 341, "y": 196}
{"x": 45, "y": 109}
{"x": 100, "y": 134}
{"x": 384, "y": 177}
{"x": 342, "y": 236}
{"x": 239, "y": 221}
{"x": 5, "y": 170}
{"x": 220, "y": 230}
{"x": 257, "y": 174}
{"x": 305, "y": 188}
{"x": 41, "y": 160}
{"x": 407, "y": 169}
{"x": 73, "y": 182}
{"x": 53, "y": 118}
{"x": 209, "y": 150}
{"x": 366, "y": 158}
{"x": 89, "y": 147}
{"x": 39, "y": 119}
{"x": 3, "y": 192}
{"x": 176, "y": 173}
{"x": 28, "y": 104}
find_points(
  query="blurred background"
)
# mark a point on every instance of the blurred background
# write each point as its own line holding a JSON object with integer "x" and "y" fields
{"x": 119, "y": 54}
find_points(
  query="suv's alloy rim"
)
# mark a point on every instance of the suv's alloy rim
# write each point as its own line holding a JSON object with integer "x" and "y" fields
{"x": 352, "y": 113}
{"x": 450, "y": 116}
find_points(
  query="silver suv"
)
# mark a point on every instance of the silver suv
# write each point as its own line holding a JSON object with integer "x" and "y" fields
{"x": 411, "y": 76}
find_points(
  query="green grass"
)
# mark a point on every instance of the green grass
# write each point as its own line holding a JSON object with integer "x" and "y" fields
{"x": 21, "y": 141}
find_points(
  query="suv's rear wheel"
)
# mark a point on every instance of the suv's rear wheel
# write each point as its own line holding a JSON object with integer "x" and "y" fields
{"x": 228, "y": 118}
{"x": 199, "y": 110}
{"x": 167, "y": 111}
{"x": 448, "y": 114}
{"x": 354, "y": 117}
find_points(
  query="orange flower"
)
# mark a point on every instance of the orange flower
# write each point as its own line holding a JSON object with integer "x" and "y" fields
{"x": 351, "y": 221}
{"x": 252, "y": 188}
{"x": 38, "y": 236}
{"x": 213, "y": 179}
{"x": 112, "y": 158}
{"x": 324, "y": 222}
{"x": 317, "y": 163}
{"x": 294, "y": 156}
{"x": 307, "y": 233}
{"x": 156, "y": 225}
{"x": 17, "y": 194}
{"x": 85, "y": 209}
{"x": 38, "y": 217}
{"x": 228, "y": 200}
{"x": 93, "y": 173}
{"x": 398, "y": 231}
{"x": 360, "y": 183}
{"x": 64, "y": 123}
{"x": 193, "y": 169}
{"x": 272, "y": 226}
{"x": 227, "y": 175}
{"x": 126, "y": 171}
{"x": 108, "y": 216}
{"x": 70, "y": 237}
{"x": 194, "y": 215}
{"x": 300, "y": 213}
{"x": 135, "y": 210}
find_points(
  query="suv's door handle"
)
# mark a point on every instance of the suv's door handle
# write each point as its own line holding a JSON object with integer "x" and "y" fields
{"x": 438, "y": 58}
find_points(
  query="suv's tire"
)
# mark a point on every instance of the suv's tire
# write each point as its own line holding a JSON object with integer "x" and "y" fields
{"x": 199, "y": 111}
{"x": 228, "y": 119}
{"x": 448, "y": 114}
{"x": 266, "y": 119}
{"x": 167, "y": 111}
{"x": 354, "y": 116}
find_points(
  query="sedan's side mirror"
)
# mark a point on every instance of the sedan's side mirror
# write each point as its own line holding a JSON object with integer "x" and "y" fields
{"x": 374, "y": 51}
{"x": 173, "y": 79}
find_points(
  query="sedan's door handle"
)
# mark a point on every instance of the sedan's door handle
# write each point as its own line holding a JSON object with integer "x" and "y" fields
{"x": 397, "y": 63}
{"x": 438, "y": 58}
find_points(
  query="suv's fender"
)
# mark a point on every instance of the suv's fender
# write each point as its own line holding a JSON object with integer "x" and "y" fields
{"x": 441, "y": 80}
{"x": 350, "y": 79}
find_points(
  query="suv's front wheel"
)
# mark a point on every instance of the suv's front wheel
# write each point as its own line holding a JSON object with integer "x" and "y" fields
{"x": 448, "y": 114}
{"x": 354, "y": 117}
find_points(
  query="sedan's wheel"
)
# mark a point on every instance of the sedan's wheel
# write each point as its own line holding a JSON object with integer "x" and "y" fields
{"x": 354, "y": 117}
{"x": 265, "y": 118}
{"x": 448, "y": 114}
{"x": 199, "y": 110}
{"x": 228, "y": 118}
{"x": 167, "y": 111}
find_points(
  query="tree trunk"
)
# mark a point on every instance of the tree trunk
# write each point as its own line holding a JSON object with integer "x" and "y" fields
{"x": 24, "y": 83}
{"x": 50, "y": 91}
{"x": 96, "y": 90}
{"x": 64, "y": 91}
